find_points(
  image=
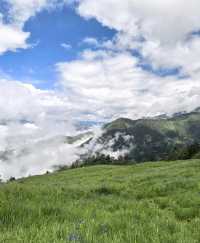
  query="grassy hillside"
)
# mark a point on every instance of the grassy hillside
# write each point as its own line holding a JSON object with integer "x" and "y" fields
{"x": 144, "y": 203}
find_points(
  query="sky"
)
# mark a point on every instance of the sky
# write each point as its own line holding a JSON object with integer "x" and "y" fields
{"x": 68, "y": 62}
{"x": 141, "y": 60}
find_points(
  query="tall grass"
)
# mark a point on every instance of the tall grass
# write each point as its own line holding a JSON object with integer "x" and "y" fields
{"x": 147, "y": 203}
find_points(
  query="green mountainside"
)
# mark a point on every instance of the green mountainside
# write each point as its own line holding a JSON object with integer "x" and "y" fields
{"x": 150, "y": 139}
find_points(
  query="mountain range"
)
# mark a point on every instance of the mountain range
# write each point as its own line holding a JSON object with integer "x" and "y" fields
{"x": 148, "y": 139}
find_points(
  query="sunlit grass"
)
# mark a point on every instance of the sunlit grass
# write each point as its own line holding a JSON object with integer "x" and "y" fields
{"x": 146, "y": 203}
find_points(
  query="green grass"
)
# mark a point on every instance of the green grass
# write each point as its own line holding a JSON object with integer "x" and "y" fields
{"x": 145, "y": 203}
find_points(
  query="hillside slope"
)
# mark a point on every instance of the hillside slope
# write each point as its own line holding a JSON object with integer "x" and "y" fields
{"x": 148, "y": 139}
{"x": 144, "y": 203}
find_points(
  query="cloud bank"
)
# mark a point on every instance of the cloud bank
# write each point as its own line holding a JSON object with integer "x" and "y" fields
{"x": 33, "y": 125}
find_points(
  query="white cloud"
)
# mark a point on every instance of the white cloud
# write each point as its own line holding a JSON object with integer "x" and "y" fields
{"x": 36, "y": 156}
{"x": 165, "y": 27}
{"x": 167, "y": 21}
{"x": 109, "y": 85}
{"x": 30, "y": 121}
{"x": 91, "y": 41}
{"x": 12, "y": 35}
{"x": 12, "y": 38}
{"x": 184, "y": 55}
{"x": 66, "y": 46}
{"x": 21, "y": 10}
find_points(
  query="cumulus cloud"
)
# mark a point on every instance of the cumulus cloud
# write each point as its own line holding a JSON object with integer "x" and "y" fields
{"x": 110, "y": 85}
{"x": 21, "y": 10}
{"x": 160, "y": 30}
{"x": 167, "y": 21}
{"x": 12, "y": 38}
{"x": 184, "y": 56}
{"x": 111, "y": 82}
{"x": 12, "y": 21}
{"x": 24, "y": 101}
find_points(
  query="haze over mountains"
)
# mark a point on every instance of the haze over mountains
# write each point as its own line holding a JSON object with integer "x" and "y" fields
{"x": 147, "y": 139}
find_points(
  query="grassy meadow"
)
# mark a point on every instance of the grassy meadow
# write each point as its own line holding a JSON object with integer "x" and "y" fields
{"x": 145, "y": 203}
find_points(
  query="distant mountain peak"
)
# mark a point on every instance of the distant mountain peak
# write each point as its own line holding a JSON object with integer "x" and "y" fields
{"x": 119, "y": 123}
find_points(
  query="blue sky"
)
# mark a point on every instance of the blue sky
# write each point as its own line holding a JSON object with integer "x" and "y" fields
{"x": 98, "y": 60}
{"x": 49, "y": 29}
